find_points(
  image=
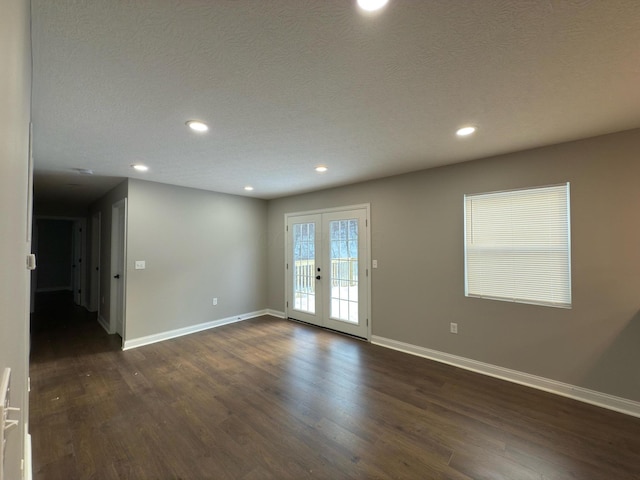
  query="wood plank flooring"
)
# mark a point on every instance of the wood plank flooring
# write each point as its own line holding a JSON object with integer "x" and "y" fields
{"x": 273, "y": 399}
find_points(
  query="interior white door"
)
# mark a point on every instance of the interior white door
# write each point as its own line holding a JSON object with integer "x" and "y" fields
{"x": 327, "y": 269}
{"x": 118, "y": 267}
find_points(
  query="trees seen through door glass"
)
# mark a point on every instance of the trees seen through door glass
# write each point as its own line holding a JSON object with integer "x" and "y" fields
{"x": 344, "y": 269}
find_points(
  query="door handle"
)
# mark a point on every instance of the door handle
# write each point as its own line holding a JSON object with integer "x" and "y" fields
{"x": 318, "y": 277}
{"x": 116, "y": 276}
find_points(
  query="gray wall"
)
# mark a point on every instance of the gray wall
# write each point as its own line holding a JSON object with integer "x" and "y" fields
{"x": 417, "y": 238}
{"x": 104, "y": 205}
{"x": 15, "y": 54}
{"x": 197, "y": 245}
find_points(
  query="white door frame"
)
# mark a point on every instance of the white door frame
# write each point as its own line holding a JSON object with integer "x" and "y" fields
{"x": 94, "y": 275}
{"x": 79, "y": 252}
{"x": 34, "y": 273}
{"x": 366, "y": 256}
{"x": 118, "y": 267}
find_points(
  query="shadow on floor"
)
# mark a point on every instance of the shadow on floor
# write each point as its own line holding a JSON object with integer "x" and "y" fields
{"x": 58, "y": 323}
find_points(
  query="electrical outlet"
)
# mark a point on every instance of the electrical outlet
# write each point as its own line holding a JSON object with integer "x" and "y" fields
{"x": 215, "y": 300}
{"x": 453, "y": 327}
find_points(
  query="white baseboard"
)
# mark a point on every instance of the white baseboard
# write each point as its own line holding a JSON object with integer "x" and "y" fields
{"x": 27, "y": 466}
{"x": 275, "y": 313}
{"x": 179, "y": 332}
{"x": 103, "y": 323}
{"x": 592, "y": 397}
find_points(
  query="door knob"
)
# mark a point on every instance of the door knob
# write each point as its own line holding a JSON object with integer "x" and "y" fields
{"x": 116, "y": 276}
{"x": 318, "y": 277}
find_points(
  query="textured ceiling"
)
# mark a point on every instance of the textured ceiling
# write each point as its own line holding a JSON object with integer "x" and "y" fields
{"x": 286, "y": 85}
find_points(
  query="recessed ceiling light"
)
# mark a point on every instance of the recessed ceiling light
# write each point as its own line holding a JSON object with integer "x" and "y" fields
{"x": 84, "y": 171}
{"x": 465, "y": 131}
{"x": 140, "y": 168}
{"x": 321, "y": 169}
{"x": 372, "y": 5}
{"x": 197, "y": 126}
{"x": 248, "y": 188}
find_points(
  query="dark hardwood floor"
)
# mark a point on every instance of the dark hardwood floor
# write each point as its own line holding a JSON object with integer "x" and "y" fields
{"x": 273, "y": 399}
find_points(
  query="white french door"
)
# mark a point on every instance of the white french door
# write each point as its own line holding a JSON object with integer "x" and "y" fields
{"x": 327, "y": 269}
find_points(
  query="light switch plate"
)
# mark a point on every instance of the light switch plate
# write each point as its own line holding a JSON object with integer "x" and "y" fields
{"x": 140, "y": 265}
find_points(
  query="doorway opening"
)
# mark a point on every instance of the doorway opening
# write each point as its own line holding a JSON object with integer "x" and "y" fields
{"x": 327, "y": 269}
{"x": 59, "y": 282}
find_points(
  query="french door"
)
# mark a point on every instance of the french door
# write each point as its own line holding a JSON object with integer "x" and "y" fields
{"x": 327, "y": 269}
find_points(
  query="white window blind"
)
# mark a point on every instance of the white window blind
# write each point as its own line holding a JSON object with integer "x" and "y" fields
{"x": 517, "y": 246}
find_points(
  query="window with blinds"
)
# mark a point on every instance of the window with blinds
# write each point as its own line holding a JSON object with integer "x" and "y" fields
{"x": 518, "y": 246}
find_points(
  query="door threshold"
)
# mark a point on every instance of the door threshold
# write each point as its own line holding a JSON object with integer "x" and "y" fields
{"x": 355, "y": 337}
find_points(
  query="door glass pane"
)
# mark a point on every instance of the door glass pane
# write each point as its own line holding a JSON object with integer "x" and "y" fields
{"x": 344, "y": 269}
{"x": 304, "y": 266}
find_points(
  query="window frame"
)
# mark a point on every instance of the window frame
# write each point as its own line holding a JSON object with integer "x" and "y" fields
{"x": 566, "y": 300}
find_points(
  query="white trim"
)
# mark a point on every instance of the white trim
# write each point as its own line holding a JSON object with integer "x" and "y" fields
{"x": 104, "y": 324}
{"x": 30, "y": 221}
{"x": 179, "y": 332}
{"x": 275, "y": 313}
{"x": 95, "y": 273}
{"x": 581, "y": 394}
{"x": 329, "y": 210}
{"x": 28, "y": 466}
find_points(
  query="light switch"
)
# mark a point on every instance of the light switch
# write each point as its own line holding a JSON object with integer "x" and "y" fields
{"x": 375, "y": 264}
{"x": 140, "y": 265}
